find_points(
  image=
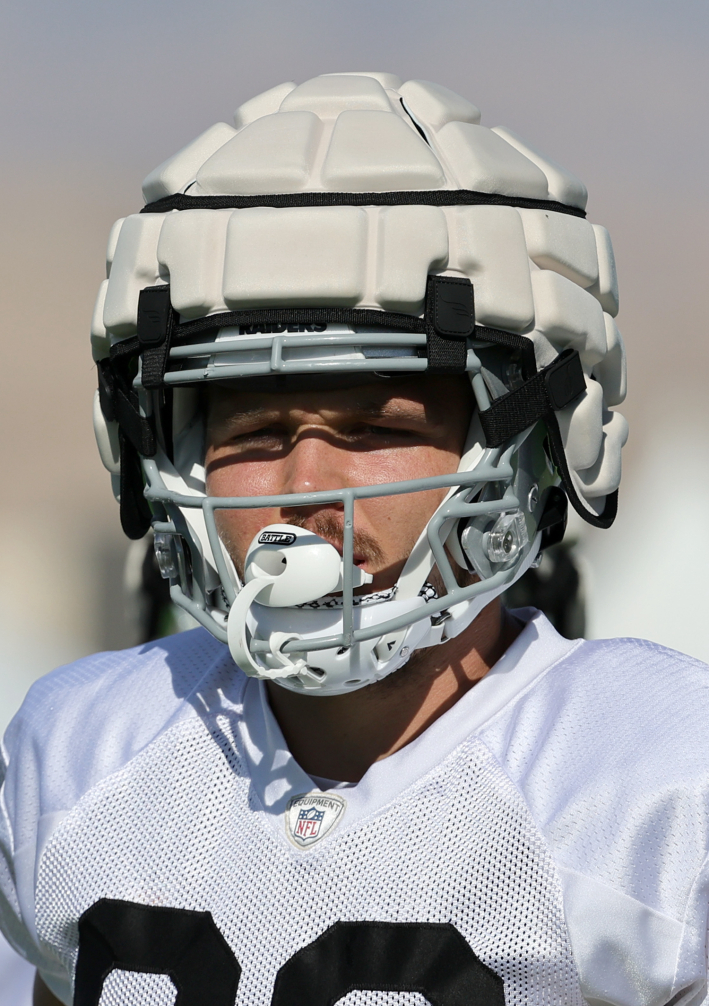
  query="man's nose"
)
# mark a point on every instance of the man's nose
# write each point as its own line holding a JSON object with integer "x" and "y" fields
{"x": 313, "y": 464}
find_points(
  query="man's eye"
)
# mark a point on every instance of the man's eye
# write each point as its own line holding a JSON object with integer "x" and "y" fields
{"x": 263, "y": 434}
{"x": 382, "y": 432}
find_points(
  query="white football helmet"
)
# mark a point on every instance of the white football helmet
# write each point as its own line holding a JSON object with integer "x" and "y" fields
{"x": 359, "y": 225}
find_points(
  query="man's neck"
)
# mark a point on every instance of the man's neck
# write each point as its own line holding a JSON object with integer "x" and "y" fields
{"x": 340, "y": 736}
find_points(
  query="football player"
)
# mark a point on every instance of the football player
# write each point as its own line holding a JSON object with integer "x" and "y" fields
{"x": 356, "y": 355}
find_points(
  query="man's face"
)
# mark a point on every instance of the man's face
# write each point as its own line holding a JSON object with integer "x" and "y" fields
{"x": 271, "y": 443}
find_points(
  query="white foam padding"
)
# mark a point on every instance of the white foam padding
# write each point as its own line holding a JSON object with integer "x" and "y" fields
{"x": 263, "y": 104}
{"x": 611, "y": 371}
{"x": 568, "y": 316}
{"x": 603, "y": 477}
{"x": 176, "y": 173}
{"x": 547, "y": 275}
{"x": 355, "y": 153}
{"x": 545, "y": 352}
{"x": 135, "y": 265}
{"x": 582, "y": 429}
{"x": 309, "y": 256}
{"x": 436, "y": 105}
{"x": 412, "y": 242}
{"x": 482, "y": 160}
{"x": 107, "y": 441}
{"x": 387, "y": 80}
{"x": 563, "y": 185}
{"x": 271, "y": 154}
{"x": 377, "y": 151}
{"x": 111, "y": 244}
{"x": 327, "y": 96}
{"x": 100, "y": 343}
{"x": 191, "y": 252}
{"x": 607, "y": 288}
{"x": 487, "y": 245}
{"x": 562, "y": 243}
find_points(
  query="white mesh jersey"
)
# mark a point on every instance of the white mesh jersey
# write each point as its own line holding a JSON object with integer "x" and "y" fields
{"x": 544, "y": 841}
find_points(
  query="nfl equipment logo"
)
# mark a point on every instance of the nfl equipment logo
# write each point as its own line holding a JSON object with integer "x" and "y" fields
{"x": 308, "y": 823}
{"x": 311, "y": 816}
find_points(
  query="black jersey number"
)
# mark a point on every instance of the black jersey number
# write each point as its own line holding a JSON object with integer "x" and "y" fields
{"x": 187, "y": 946}
{"x": 430, "y": 958}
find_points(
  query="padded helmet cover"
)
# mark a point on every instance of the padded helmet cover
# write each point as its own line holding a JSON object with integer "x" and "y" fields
{"x": 348, "y": 192}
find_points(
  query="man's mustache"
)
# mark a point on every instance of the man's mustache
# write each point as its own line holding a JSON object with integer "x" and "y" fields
{"x": 327, "y": 525}
{"x": 365, "y": 547}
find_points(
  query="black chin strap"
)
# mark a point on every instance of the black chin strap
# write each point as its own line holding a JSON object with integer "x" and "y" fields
{"x": 450, "y": 321}
{"x": 540, "y": 397}
{"x": 551, "y": 389}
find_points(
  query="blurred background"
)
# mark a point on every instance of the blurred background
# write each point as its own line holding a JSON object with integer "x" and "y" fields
{"x": 95, "y": 94}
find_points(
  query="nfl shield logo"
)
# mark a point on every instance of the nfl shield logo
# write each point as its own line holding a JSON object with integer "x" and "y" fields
{"x": 311, "y": 816}
{"x": 308, "y": 822}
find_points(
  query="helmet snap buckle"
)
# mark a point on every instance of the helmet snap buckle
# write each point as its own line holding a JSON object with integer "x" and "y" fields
{"x": 507, "y": 538}
{"x": 171, "y": 557}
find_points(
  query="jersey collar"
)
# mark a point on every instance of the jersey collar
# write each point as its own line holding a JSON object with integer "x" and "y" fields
{"x": 276, "y": 776}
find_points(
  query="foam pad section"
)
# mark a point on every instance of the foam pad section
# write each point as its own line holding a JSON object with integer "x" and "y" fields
{"x": 603, "y": 477}
{"x": 436, "y": 105}
{"x": 263, "y": 104}
{"x": 606, "y": 289}
{"x": 562, "y": 243}
{"x": 548, "y": 275}
{"x": 106, "y": 434}
{"x": 581, "y": 428}
{"x": 563, "y": 185}
{"x": 327, "y": 96}
{"x": 412, "y": 241}
{"x": 388, "y": 80}
{"x": 378, "y": 151}
{"x": 487, "y": 244}
{"x": 568, "y": 316}
{"x": 544, "y": 351}
{"x": 611, "y": 371}
{"x": 272, "y": 154}
{"x": 176, "y": 173}
{"x": 191, "y": 251}
{"x": 111, "y": 244}
{"x": 482, "y": 160}
{"x": 304, "y": 256}
{"x": 135, "y": 265}
{"x": 100, "y": 343}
